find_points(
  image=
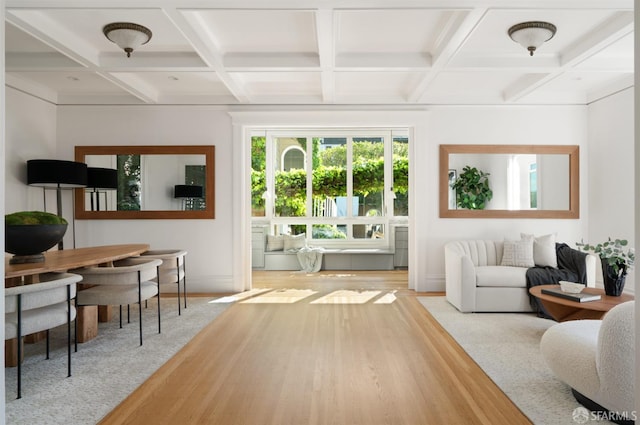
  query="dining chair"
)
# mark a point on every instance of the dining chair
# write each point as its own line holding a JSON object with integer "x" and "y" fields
{"x": 172, "y": 270}
{"x": 128, "y": 281}
{"x": 39, "y": 307}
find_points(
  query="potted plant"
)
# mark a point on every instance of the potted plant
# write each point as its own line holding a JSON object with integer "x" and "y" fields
{"x": 27, "y": 234}
{"x": 472, "y": 189}
{"x": 615, "y": 260}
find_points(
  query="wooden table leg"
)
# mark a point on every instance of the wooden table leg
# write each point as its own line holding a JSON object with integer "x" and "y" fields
{"x": 104, "y": 313}
{"x": 11, "y": 352}
{"x": 87, "y": 323}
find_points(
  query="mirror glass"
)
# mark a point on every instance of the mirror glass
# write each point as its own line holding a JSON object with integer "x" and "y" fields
{"x": 526, "y": 181}
{"x": 152, "y": 182}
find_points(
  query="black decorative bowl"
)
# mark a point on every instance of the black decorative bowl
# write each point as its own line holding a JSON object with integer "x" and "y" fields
{"x": 28, "y": 241}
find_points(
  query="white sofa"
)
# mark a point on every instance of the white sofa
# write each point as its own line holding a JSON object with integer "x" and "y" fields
{"x": 476, "y": 282}
{"x": 596, "y": 359}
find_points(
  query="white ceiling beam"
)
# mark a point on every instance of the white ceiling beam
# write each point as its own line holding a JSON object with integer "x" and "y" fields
{"x": 271, "y": 61}
{"x": 155, "y": 60}
{"x": 455, "y": 31}
{"x": 326, "y": 27}
{"x": 56, "y": 36}
{"x": 526, "y": 84}
{"x": 385, "y": 60}
{"x": 133, "y": 85}
{"x": 620, "y": 25}
{"x": 40, "y": 61}
{"x": 205, "y": 46}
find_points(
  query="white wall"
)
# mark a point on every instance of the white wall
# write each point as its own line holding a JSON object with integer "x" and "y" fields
{"x": 611, "y": 185}
{"x": 562, "y": 125}
{"x": 30, "y": 134}
{"x": 208, "y": 242}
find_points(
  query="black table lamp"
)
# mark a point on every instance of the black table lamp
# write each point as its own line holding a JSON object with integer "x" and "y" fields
{"x": 100, "y": 179}
{"x": 188, "y": 192}
{"x": 56, "y": 174}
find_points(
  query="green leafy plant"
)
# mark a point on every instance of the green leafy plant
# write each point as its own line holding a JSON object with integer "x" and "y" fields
{"x": 472, "y": 189}
{"x": 614, "y": 253}
{"x": 32, "y": 218}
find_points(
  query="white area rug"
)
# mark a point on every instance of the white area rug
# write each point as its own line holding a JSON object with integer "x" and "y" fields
{"x": 506, "y": 347}
{"x": 106, "y": 369}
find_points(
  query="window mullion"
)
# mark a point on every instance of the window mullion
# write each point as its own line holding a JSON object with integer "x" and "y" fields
{"x": 270, "y": 203}
{"x": 387, "y": 201}
{"x": 308, "y": 166}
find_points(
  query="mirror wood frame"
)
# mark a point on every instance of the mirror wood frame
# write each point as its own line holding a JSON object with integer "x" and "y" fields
{"x": 81, "y": 152}
{"x": 574, "y": 180}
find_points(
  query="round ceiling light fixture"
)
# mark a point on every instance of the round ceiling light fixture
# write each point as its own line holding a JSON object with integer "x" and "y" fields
{"x": 532, "y": 35}
{"x": 128, "y": 36}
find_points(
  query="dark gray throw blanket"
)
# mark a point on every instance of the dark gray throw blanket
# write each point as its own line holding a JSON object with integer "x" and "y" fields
{"x": 571, "y": 267}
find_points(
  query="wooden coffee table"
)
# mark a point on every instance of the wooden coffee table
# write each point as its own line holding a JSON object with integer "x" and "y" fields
{"x": 563, "y": 310}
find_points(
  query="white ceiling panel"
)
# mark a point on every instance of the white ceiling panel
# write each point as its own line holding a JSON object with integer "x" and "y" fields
{"x": 319, "y": 52}
{"x": 382, "y": 31}
{"x": 259, "y": 31}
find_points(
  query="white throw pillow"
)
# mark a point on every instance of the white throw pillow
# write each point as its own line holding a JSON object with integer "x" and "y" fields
{"x": 544, "y": 249}
{"x": 294, "y": 242}
{"x": 518, "y": 253}
{"x": 275, "y": 243}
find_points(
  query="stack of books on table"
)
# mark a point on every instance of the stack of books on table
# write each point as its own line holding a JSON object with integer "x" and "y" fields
{"x": 580, "y": 297}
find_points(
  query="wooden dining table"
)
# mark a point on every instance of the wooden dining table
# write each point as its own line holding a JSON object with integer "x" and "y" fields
{"x": 63, "y": 261}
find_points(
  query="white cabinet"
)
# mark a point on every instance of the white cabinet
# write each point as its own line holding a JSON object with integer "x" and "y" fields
{"x": 401, "y": 255}
{"x": 257, "y": 246}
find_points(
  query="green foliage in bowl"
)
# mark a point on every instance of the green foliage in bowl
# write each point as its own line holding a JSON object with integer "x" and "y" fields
{"x": 32, "y": 217}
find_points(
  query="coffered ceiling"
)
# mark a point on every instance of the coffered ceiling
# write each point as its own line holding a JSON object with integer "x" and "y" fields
{"x": 322, "y": 52}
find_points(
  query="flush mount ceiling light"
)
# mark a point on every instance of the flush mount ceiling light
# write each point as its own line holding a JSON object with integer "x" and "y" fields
{"x": 532, "y": 35}
{"x": 126, "y": 35}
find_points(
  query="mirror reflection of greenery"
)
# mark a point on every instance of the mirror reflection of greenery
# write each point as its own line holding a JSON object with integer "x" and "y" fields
{"x": 128, "y": 196}
{"x": 472, "y": 189}
{"x": 329, "y": 175}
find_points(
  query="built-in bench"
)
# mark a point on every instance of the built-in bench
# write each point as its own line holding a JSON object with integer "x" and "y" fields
{"x": 335, "y": 259}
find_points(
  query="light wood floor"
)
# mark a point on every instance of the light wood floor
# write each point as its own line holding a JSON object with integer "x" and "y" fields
{"x": 354, "y": 348}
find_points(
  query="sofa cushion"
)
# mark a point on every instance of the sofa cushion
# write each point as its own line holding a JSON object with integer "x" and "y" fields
{"x": 544, "y": 249}
{"x": 501, "y": 276}
{"x": 518, "y": 253}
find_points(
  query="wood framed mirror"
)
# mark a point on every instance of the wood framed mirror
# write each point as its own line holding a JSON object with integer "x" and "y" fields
{"x": 528, "y": 181}
{"x": 153, "y": 182}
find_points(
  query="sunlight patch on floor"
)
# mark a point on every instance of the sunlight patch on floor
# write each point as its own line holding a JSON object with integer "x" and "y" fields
{"x": 345, "y": 296}
{"x": 239, "y": 296}
{"x": 387, "y": 298}
{"x": 281, "y": 296}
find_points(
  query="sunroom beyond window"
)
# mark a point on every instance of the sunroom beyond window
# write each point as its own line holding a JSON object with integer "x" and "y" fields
{"x": 339, "y": 188}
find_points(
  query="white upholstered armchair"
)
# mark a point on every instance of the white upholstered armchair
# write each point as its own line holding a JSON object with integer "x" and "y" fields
{"x": 596, "y": 358}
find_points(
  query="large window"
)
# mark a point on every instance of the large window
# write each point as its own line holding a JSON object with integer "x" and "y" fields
{"x": 337, "y": 187}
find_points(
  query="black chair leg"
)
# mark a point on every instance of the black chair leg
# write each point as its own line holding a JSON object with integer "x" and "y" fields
{"x": 179, "y": 312}
{"x": 68, "y": 331}
{"x": 19, "y": 340}
{"x": 158, "y": 274}
{"x": 140, "y": 303}
{"x": 184, "y": 280}
{"x": 47, "y": 342}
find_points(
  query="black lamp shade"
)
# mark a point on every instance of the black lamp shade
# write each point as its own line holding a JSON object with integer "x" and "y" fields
{"x": 56, "y": 173}
{"x": 187, "y": 191}
{"x": 102, "y": 178}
